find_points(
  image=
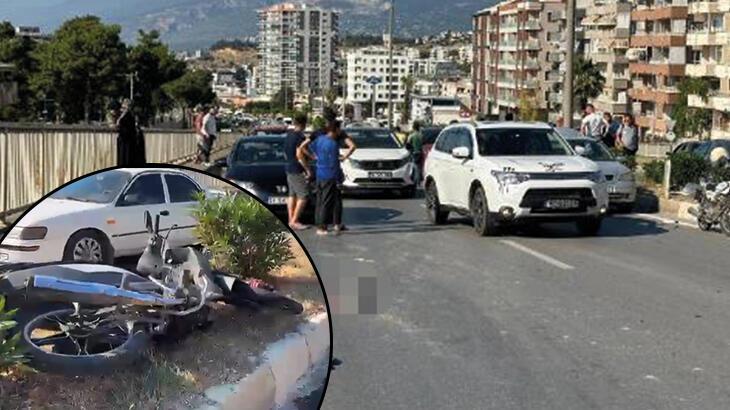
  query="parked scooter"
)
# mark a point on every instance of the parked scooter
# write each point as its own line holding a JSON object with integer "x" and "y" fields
{"x": 79, "y": 319}
{"x": 713, "y": 206}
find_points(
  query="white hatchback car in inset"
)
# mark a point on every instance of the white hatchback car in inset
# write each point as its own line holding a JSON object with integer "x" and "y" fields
{"x": 101, "y": 216}
{"x": 508, "y": 172}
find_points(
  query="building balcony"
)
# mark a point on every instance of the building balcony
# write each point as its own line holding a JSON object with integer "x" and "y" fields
{"x": 556, "y": 57}
{"x": 609, "y": 57}
{"x": 531, "y": 83}
{"x": 673, "y": 12}
{"x": 657, "y": 68}
{"x": 508, "y": 46}
{"x": 508, "y": 28}
{"x": 532, "y": 25}
{"x": 708, "y": 39}
{"x": 507, "y": 65}
{"x": 708, "y": 7}
{"x": 607, "y": 34}
{"x": 530, "y": 5}
{"x": 620, "y": 83}
{"x": 658, "y": 40}
{"x": 655, "y": 95}
{"x": 707, "y": 68}
{"x": 506, "y": 83}
{"x": 650, "y": 121}
{"x": 613, "y": 107}
{"x": 531, "y": 44}
{"x": 532, "y": 64}
{"x": 719, "y": 102}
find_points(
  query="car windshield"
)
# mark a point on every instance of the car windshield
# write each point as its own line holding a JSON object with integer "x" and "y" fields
{"x": 521, "y": 142}
{"x": 429, "y": 135}
{"x": 100, "y": 188}
{"x": 373, "y": 138}
{"x": 259, "y": 152}
{"x": 595, "y": 151}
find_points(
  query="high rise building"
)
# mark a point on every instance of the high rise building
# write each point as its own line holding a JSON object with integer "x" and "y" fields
{"x": 518, "y": 50}
{"x": 708, "y": 42}
{"x": 297, "y": 48}
{"x": 368, "y": 72}
{"x": 657, "y": 58}
{"x": 606, "y": 31}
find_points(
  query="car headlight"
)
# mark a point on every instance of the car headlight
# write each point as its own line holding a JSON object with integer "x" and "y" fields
{"x": 627, "y": 177}
{"x": 510, "y": 178}
{"x": 250, "y": 187}
{"x": 30, "y": 233}
{"x": 596, "y": 177}
{"x": 355, "y": 164}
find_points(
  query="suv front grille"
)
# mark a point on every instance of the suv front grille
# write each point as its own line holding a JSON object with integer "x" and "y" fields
{"x": 381, "y": 165}
{"x": 535, "y": 199}
{"x": 562, "y": 176}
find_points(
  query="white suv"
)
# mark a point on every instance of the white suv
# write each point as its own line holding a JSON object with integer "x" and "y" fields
{"x": 507, "y": 172}
{"x": 380, "y": 162}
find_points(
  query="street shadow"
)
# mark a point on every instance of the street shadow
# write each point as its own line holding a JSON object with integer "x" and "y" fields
{"x": 381, "y": 194}
{"x": 370, "y": 215}
{"x": 647, "y": 201}
{"x": 613, "y": 227}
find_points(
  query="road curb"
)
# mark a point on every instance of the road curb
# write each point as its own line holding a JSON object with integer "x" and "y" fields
{"x": 284, "y": 363}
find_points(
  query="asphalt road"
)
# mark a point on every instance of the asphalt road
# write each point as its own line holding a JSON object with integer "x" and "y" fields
{"x": 636, "y": 318}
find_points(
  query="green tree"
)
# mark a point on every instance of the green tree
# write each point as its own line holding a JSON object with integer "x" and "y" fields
{"x": 408, "y": 84}
{"x": 82, "y": 68}
{"x": 691, "y": 121}
{"x": 154, "y": 65}
{"x": 193, "y": 88}
{"x": 527, "y": 106}
{"x": 283, "y": 100}
{"x": 18, "y": 51}
{"x": 588, "y": 81}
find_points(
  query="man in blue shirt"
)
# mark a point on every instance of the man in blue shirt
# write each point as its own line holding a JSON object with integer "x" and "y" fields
{"x": 326, "y": 149}
{"x": 298, "y": 174}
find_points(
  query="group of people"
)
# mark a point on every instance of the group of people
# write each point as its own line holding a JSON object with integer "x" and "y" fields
{"x": 206, "y": 129}
{"x": 623, "y": 135}
{"x": 323, "y": 146}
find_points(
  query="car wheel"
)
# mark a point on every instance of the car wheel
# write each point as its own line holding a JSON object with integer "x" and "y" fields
{"x": 589, "y": 227}
{"x": 433, "y": 206}
{"x": 483, "y": 222}
{"x": 88, "y": 246}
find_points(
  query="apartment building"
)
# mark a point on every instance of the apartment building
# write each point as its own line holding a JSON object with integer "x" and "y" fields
{"x": 297, "y": 48}
{"x": 364, "y": 64}
{"x": 519, "y": 46}
{"x": 606, "y": 33}
{"x": 708, "y": 48}
{"x": 657, "y": 61}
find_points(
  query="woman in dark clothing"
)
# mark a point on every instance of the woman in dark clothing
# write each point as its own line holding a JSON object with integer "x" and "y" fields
{"x": 130, "y": 140}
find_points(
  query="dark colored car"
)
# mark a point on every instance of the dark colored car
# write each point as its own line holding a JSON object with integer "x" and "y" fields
{"x": 702, "y": 148}
{"x": 257, "y": 164}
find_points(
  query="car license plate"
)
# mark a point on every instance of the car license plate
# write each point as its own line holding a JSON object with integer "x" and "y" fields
{"x": 562, "y": 203}
{"x": 380, "y": 175}
{"x": 277, "y": 200}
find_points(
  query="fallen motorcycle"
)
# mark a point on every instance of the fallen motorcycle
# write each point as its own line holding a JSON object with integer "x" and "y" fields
{"x": 713, "y": 206}
{"x": 78, "y": 319}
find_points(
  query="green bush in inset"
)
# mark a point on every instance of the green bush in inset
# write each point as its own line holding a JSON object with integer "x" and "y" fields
{"x": 245, "y": 238}
{"x": 10, "y": 352}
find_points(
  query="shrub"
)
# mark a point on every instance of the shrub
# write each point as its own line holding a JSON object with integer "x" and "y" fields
{"x": 687, "y": 168}
{"x": 654, "y": 171}
{"x": 245, "y": 238}
{"x": 10, "y": 352}
{"x": 720, "y": 173}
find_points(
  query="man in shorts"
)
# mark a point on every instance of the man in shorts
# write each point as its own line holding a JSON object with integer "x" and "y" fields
{"x": 298, "y": 173}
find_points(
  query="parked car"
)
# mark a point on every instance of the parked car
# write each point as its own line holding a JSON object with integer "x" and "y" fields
{"x": 621, "y": 183}
{"x": 380, "y": 162}
{"x": 97, "y": 218}
{"x": 509, "y": 172}
{"x": 257, "y": 164}
{"x": 703, "y": 148}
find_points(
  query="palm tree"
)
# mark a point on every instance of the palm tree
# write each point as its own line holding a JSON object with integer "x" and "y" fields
{"x": 588, "y": 81}
{"x": 408, "y": 83}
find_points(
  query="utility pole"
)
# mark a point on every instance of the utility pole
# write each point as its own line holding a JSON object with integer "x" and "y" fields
{"x": 390, "y": 63}
{"x": 131, "y": 85}
{"x": 569, "y": 52}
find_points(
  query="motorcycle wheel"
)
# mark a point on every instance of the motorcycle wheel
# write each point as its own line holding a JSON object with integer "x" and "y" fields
{"x": 703, "y": 224}
{"x": 83, "y": 342}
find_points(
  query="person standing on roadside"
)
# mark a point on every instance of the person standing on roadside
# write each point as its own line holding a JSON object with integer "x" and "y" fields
{"x": 198, "y": 116}
{"x": 592, "y": 124}
{"x": 611, "y": 128}
{"x": 126, "y": 135}
{"x": 298, "y": 173}
{"x": 210, "y": 131}
{"x": 628, "y": 136}
{"x": 415, "y": 145}
{"x": 326, "y": 150}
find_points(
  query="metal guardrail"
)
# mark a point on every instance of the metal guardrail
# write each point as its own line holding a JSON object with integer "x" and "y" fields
{"x": 37, "y": 158}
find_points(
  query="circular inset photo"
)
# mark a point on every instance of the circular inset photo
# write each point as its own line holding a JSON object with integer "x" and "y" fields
{"x": 159, "y": 288}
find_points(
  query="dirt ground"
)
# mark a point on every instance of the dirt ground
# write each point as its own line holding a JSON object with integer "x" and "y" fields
{"x": 176, "y": 375}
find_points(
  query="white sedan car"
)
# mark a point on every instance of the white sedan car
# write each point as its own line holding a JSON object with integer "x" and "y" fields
{"x": 620, "y": 180}
{"x": 379, "y": 163}
{"x": 100, "y": 217}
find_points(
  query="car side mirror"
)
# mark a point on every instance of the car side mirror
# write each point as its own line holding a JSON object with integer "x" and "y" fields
{"x": 130, "y": 199}
{"x": 580, "y": 151}
{"x": 461, "y": 153}
{"x": 165, "y": 213}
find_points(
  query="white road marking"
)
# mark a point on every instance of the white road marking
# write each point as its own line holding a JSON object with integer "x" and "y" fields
{"x": 665, "y": 220}
{"x": 423, "y": 206}
{"x": 538, "y": 255}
